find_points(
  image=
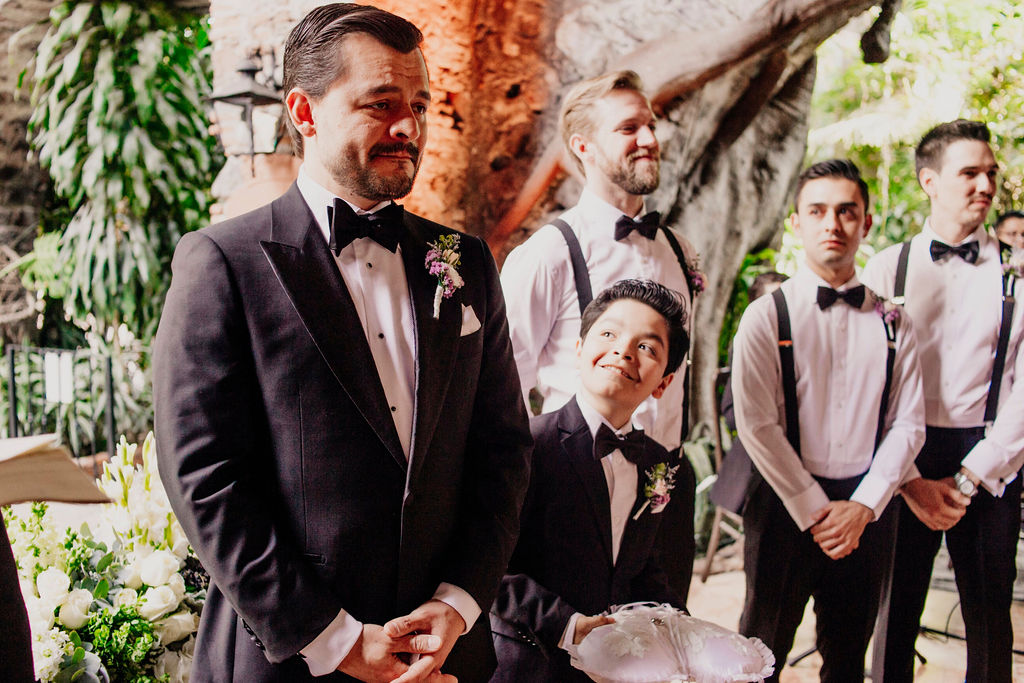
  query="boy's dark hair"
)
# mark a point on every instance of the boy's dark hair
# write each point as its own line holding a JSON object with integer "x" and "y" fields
{"x": 832, "y": 168}
{"x": 1007, "y": 215}
{"x": 667, "y": 302}
{"x": 761, "y": 282}
{"x": 934, "y": 143}
{"x": 312, "y": 60}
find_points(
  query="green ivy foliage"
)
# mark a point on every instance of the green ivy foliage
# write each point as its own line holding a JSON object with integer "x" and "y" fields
{"x": 118, "y": 120}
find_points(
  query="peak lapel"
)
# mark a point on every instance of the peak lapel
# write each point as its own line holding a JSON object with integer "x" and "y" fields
{"x": 436, "y": 340}
{"x": 306, "y": 269}
{"x": 639, "y": 530}
{"x": 578, "y": 445}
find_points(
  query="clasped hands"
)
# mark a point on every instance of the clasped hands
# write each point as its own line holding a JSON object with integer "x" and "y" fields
{"x": 938, "y": 503}
{"x": 838, "y": 526}
{"x": 407, "y": 649}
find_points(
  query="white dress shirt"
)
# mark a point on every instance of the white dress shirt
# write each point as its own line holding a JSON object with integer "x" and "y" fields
{"x": 375, "y": 278}
{"x": 621, "y": 477}
{"x": 957, "y": 309}
{"x": 839, "y": 361}
{"x": 544, "y": 313}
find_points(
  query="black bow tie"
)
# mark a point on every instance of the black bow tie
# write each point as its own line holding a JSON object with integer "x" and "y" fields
{"x": 383, "y": 226}
{"x": 631, "y": 444}
{"x": 967, "y": 251}
{"x": 853, "y": 296}
{"x": 646, "y": 225}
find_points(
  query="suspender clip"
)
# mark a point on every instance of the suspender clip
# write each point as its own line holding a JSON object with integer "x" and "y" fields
{"x": 899, "y": 300}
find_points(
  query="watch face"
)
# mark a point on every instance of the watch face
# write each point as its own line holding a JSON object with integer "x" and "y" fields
{"x": 965, "y": 485}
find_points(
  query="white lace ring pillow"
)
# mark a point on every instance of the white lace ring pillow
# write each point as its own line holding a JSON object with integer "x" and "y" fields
{"x": 658, "y": 644}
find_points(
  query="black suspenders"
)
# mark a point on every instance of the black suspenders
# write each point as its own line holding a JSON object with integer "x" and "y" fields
{"x": 1009, "y": 287}
{"x": 585, "y": 294}
{"x": 789, "y": 373}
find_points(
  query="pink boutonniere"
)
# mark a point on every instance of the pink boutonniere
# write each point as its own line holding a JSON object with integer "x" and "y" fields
{"x": 887, "y": 310}
{"x": 695, "y": 278}
{"x": 661, "y": 479}
{"x": 1014, "y": 267}
{"x": 442, "y": 261}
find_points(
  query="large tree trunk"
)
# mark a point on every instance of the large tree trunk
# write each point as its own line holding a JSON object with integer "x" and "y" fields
{"x": 732, "y": 81}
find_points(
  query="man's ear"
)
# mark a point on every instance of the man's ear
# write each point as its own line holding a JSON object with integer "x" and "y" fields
{"x": 927, "y": 179}
{"x": 794, "y": 220}
{"x": 663, "y": 385}
{"x": 300, "y": 111}
{"x": 867, "y": 224}
{"x": 578, "y": 145}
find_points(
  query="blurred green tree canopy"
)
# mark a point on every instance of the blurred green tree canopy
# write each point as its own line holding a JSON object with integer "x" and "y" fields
{"x": 950, "y": 59}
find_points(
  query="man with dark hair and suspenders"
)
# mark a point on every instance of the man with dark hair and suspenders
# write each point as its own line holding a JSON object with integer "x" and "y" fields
{"x": 958, "y": 282}
{"x": 829, "y": 406}
{"x": 608, "y": 128}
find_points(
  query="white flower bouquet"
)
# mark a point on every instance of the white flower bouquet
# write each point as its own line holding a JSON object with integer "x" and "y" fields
{"x": 120, "y": 603}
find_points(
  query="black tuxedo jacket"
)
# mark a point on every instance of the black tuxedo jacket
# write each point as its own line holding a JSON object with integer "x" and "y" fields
{"x": 281, "y": 459}
{"x": 563, "y": 561}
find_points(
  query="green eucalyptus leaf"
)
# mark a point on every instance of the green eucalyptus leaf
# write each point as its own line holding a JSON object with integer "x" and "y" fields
{"x": 79, "y": 15}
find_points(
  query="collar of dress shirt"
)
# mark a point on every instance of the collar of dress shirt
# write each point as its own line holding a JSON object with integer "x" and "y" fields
{"x": 318, "y": 198}
{"x": 979, "y": 234}
{"x": 598, "y": 213}
{"x": 594, "y": 419}
{"x": 806, "y": 283}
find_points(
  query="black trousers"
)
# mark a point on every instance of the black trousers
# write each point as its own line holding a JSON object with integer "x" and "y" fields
{"x": 15, "y": 639}
{"x": 983, "y": 548}
{"x": 785, "y": 567}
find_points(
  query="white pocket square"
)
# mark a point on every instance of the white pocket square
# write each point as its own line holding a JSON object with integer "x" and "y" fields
{"x": 470, "y": 324}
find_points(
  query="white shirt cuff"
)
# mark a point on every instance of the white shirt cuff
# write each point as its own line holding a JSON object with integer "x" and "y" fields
{"x": 873, "y": 492}
{"x": 460, "y": 601}
{"x": 987, "y": 461}
{"x": 333, "y": 644}
{"x": 803, "y": 506}
{"x": 569, "y": 635}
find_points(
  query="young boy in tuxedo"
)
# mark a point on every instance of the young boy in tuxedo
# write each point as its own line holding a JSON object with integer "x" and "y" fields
{"x": 597, "y": 490}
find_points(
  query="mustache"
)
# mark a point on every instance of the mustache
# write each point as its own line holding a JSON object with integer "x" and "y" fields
{"x": 633, "y": 156}
{"x": 410, "y": 148}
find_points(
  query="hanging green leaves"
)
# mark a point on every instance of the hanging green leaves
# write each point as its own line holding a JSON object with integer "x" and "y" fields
{"x": 118, "y": 120}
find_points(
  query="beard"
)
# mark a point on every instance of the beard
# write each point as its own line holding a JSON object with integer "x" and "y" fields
{"x": 348, "y": 171}
{"x": 631, "y": 175}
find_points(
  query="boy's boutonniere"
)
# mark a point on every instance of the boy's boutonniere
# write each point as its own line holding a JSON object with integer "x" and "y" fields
{"x": 442, "y": 261}
{"x": 661, "y": 479}
{"x": 695, "y": 278}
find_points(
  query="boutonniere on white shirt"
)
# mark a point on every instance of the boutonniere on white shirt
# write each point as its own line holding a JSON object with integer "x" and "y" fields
{"x": 661, "y": 479}
{"x": 1014, "y": 266}
{"x": 887, "y": 310}
{"x": 442, "y": 261}
{"x": 695, "y": 277}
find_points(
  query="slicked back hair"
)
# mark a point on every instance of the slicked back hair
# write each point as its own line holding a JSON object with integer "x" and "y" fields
{"x": 933, "y": 145}
{"x": 312, "y": 58}
{"x": 576, "y": 115}
{"x": 668, "y": 303}
{"x": 832, "y": 168}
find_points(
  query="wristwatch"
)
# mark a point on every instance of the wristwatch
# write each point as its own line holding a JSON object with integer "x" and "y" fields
{"x": 964, "y": 484}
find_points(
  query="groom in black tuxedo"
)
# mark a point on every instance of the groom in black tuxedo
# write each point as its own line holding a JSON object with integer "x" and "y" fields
{"x": 347, "y": 452}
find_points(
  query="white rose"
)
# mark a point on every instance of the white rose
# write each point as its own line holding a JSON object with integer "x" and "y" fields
{"x": 52, "y": 585}
{"x": 75, "y": 611}
{"x": 126, "y": 596}
{"x": 177, "y": 584}
{"x": 157, "y": 601}
{"x": 129, "y": 576}
{"x": 173, "y": 628}
{"x": 158, "y": 568}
